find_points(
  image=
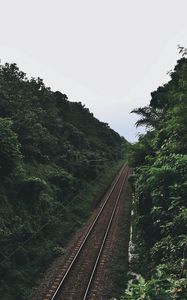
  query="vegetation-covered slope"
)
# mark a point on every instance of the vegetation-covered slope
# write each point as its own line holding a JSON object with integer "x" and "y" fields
{"x": 50, "y": 149}
{"x": 160, "y": 183}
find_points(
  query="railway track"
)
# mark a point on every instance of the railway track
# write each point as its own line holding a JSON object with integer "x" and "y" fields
{"x": 76, "y": 279}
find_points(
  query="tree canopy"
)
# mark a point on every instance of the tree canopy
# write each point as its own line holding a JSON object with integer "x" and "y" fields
{"x": 160, "y": 184}
{"x": 50, "y": 149}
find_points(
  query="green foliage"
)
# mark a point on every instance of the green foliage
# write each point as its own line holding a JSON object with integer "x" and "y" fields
{"x": 10, "y": 154}
{"x": 160, "y": 183}
{"x": 161, "y": 286}
{"x": 50, "y": 149}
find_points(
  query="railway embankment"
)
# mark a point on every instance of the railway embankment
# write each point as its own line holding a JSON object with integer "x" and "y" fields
{"x": 72, "y": 276}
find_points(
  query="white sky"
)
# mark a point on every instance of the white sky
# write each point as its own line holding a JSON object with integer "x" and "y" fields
{"x": 108, "y": 54}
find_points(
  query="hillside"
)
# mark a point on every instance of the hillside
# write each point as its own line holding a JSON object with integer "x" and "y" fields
{"x": 159, "y": 255}
{"x": 51, "y": 151}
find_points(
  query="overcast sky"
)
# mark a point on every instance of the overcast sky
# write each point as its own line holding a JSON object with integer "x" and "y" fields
{"x": 108, "y": 54}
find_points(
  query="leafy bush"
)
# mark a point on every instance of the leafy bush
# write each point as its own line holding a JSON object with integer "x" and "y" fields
{"x": 160, "y": 183}
{"x": 50, "y": 148}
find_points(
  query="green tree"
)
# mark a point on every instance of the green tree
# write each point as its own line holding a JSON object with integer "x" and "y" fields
{"x": 10, "y": 154}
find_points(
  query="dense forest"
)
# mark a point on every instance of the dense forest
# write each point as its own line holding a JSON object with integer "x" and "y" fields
{"x": 51, "y": 153}
{"x": 159, "y": 254}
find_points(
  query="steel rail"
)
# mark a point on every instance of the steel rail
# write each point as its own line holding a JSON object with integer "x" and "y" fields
{"x": 104, "y": 240}
{"x": 88, "y": 233}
